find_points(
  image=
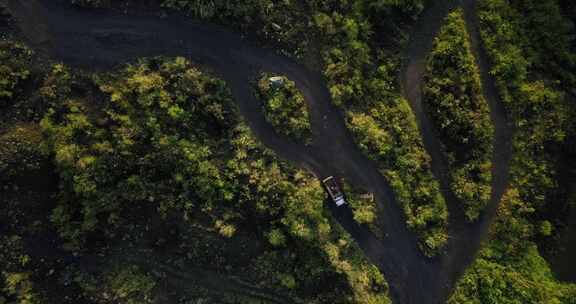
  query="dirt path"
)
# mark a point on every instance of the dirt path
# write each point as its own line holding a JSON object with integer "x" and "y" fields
{"x": 465, "y": 237}
{"x": 412, "y": 77}
{"x": 185, "y": 278}
{"x": 95, "y": 39}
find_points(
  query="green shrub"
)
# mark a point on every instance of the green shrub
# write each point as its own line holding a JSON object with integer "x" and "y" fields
{"x": 14, "y": 69}
{"x": 285, "y": 108}
{"x": 169, "y": 137}
{"x": 362, "y": 82}
{"x": 453, "y": 98}
{"x": 509, "y": 269}
{"x": 389, "y": 136}
{"x": 120, "y": 284}
{"x": 141, "y": 154}
{"x": 19, "y": 151}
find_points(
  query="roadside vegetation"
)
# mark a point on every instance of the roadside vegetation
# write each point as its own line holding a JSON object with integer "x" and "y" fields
{"x": 160, "y": 142}
{"x": 167, "y": 112}
{"x": 510, "y": 268}
{"x": 365, "y": 210}
{"x": 363, "y": 204}
{"x": 284, "y": 107}
{"x": 154, "y": 156}
{"x": 454, "y": 100}
{"x": 13, "y": 71}
{"x": 362, "y": 82}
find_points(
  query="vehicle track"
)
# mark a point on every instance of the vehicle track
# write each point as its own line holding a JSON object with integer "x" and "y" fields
{"x": 186, "y": 278}
{"x": 216, "y": 283}
{"x": 96, "y": 39}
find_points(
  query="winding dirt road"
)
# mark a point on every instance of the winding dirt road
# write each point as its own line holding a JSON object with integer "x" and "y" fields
{"x": 95, "y": 39}
{"x": 465, "y": 238}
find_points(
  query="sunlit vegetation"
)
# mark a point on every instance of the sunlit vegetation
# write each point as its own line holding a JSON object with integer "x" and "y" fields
{"x": 406, "y": 167}
{"x": 363, "y": 204}
{"x": 106, "y": 168}
{"x": 365, "y": 209}
{"x": 168, "y": 136}
{"x": 536, "y": 107}
{"x": 13, "y": 69}
{"x": 19, "y": 152}
{"x": 454, "y": 101}
{"x": 510, "y": 269}
{"x": 122, "y": 284}
{"x": 362, "y": 82}
{"x": 161, "y": 141}
{"x": 284, "y": 107}
{"x": 491, "y": 280}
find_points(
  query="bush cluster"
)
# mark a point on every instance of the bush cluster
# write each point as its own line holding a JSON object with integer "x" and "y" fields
{"x": 168, "y": 136}
{"x": 362, "y": 82}
{"x": 284, "y": 107}
{"x": 509, "y": 269}
{"x": 453, "y": 98}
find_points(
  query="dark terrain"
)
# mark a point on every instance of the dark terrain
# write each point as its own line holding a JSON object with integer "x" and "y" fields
{"x": 93, "y": 39}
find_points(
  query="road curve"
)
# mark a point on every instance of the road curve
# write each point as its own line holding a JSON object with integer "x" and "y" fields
{"x": 97, "y": 39}
{"x": 465, "y": 237}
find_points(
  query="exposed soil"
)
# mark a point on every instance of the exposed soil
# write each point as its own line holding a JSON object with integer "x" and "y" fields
{"x": 173, "y": 274}
{"x": 562, "y": 259}
{"x": 94, "y": 39}
{"x": 561, "y": 250}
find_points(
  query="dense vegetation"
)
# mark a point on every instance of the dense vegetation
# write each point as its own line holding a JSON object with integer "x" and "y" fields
{"x": 362, "y": 82}
{"x": 536, "y": 105}
{"x": 454, "y": 100}
{"x": 284, "y": 107}
{"x": 362, "y": 203}
{"x": 14, "y": 75}
{"x": 510, "y": 268}
{"x": 153, "y": 160}
{"x": 13, "y": 72}
{"x": 164, "y": 138}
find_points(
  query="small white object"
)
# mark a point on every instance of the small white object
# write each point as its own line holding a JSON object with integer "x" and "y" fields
{"x": 276, "y": 80}
{"x": 340, "y": 201}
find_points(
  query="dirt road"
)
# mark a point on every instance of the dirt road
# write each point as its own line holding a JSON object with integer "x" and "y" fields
{"x": 95, "y": 39}
{"x": 465, "y": 237}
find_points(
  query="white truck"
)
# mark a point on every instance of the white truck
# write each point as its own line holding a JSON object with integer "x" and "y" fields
{"x": 334, "y": 191}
